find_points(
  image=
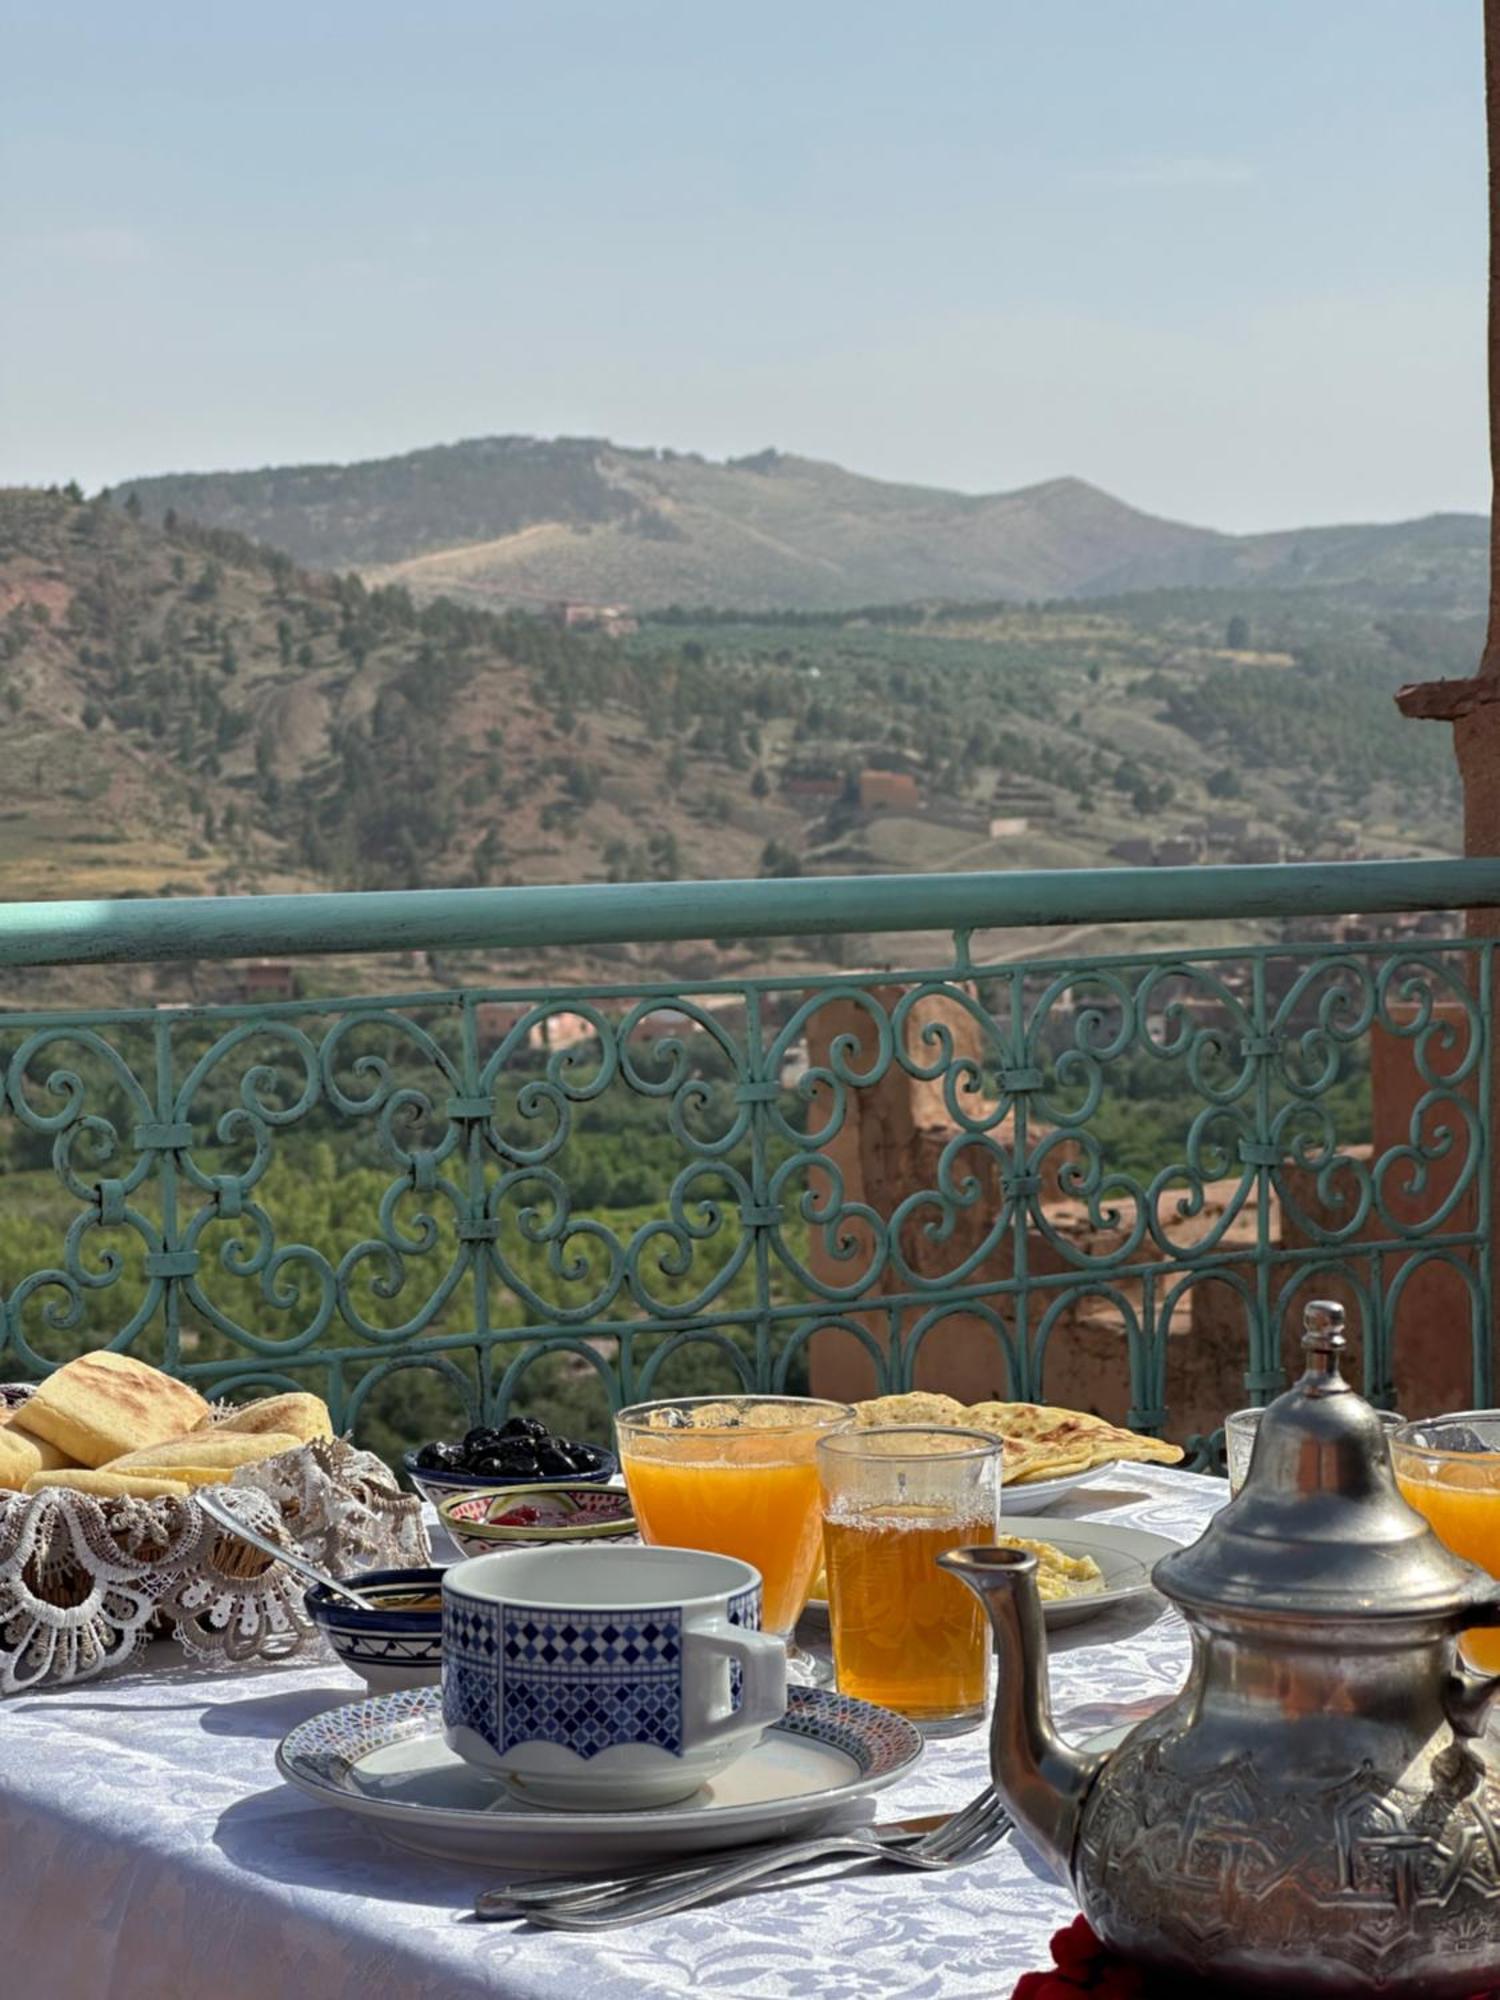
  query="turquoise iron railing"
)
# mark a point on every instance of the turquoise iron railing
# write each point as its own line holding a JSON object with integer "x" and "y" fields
{"x": 592, "y": 1192}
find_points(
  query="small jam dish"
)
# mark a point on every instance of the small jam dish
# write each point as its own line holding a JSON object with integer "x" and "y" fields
{"x": 398, "y": 1645}
{"x": 536, "y": 1517}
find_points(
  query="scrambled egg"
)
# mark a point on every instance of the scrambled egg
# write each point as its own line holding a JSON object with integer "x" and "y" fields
{"x": 1057, "y": 1575}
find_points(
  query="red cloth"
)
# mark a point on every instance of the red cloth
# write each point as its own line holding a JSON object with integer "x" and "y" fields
{"x": 1081, "y": 1964}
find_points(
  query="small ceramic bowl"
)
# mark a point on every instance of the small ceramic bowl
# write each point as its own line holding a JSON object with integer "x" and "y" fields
{"x": 400, "y": 1645}
{"x": 536, "y": 1517}
{"x": 438, "y": 1486}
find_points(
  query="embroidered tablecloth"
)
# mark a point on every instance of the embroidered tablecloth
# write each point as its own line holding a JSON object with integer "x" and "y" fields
{"x": 150, "y": 1851}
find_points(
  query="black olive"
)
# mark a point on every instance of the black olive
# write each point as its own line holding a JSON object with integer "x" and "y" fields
{"x": 481, "y": 1438}
{"x": 555, "y": 1462}
{"x": 587, "y": 1457}
{"x": 441, "y": 1457}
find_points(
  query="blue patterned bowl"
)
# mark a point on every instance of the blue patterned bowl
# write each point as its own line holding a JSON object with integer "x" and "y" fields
{"x": 437, "y": 1486}
{"x": 400, "y": 1645}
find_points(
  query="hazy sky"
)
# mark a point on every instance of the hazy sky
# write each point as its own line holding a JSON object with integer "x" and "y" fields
{"x": 1223, "y": 257}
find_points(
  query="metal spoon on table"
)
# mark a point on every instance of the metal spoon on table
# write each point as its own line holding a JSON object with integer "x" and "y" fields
{"x": 224, "y": 1516}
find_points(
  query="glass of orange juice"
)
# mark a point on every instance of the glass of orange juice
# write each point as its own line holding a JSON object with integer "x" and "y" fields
{"x": 736, "y": 1475}
{"x": 906, "y": 1634}
{"x": 1448, "y": 1468}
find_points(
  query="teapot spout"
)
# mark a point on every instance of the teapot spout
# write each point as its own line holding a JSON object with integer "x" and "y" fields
{"x": 1041, "y": 1778}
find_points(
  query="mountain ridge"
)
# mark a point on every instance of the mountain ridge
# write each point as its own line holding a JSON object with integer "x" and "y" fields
{"x": 521, "y": 520}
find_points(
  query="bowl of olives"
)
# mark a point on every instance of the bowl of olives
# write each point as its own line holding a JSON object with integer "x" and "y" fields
{"x": 520, "y": 1452}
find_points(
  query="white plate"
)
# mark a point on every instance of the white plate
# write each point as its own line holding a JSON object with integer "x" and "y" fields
{"x": 1125, "y": 1555}
{"x": 385, "y": 1760}
{"x": 1038, "y": 1494}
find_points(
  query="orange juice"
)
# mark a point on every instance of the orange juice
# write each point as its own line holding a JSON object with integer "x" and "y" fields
{"x": 906, "y": 1634}
{"x": 741, "y": 1495}
{"x": 1461, "y": 1504}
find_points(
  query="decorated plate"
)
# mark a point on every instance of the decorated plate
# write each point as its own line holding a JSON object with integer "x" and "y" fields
{"x": 385, "y": 1761}
{"x": 526, "y": 1516}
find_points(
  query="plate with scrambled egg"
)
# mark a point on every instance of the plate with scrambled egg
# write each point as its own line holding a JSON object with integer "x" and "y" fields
{"x": 1083, "y": 1567}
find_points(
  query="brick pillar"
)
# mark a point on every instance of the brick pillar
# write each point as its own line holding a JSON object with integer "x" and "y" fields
{"x": 889, "y": 1144}
{"x": 1473, "y": 706}
{"x": 1431, "y": 1340}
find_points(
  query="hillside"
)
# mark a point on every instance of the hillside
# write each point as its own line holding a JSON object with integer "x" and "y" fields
{"x": 187, "y": 713}
{"x": 527, "y": 521}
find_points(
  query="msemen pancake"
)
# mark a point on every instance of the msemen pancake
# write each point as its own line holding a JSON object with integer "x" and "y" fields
{"x": 205, "y": 1458}
{"x": 21, "y": 1455}
{"x": 103, "y": 1405}
{"x": 297, "y": 1413}
{"x": 105, "y": 1485}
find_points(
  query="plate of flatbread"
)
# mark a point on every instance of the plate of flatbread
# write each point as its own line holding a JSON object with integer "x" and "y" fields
{"x": 1047, "y": 1450}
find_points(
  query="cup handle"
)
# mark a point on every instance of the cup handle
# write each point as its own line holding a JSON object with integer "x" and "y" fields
{"x": 762, "y": 1659}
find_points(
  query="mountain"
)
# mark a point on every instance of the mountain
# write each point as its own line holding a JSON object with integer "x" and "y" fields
{"x": 189, "y": 712}
{"x": 526, "y": 521}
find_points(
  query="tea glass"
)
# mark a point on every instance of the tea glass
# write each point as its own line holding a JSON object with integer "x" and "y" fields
{"x": 906, "y": 1634}
{"x": 1239, "y": 1440}
{"x": 1448, "y": 1468}
{"x": 736, "y": 1475}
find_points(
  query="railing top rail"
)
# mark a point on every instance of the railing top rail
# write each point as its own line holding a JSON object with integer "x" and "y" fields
{"x": 63, "y": 933}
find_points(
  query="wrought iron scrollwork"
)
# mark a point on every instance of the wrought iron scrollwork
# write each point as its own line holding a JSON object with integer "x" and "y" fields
{"x": 452, "y": 1148}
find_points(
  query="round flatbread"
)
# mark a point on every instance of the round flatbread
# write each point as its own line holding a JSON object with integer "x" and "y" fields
{"x": 924, "y": 1407}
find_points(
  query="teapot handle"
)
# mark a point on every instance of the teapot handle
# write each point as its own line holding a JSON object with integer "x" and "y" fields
{"x": 1468, "y": 1693}
{"x": 1467, "y": 1698}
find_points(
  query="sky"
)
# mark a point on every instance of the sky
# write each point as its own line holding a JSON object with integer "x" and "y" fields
{"x": 1224, "y": 258}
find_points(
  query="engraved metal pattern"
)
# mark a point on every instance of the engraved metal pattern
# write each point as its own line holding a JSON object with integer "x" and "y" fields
{"x": 1382, "y": 1882}
{"x": 476, "y": 1255}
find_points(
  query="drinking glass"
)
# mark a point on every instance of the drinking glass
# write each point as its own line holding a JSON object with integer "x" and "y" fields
{"x": 1448, "y": 1468}
{"x": 906, "y": 1634}
{"x": 1239, "y": 1439}
{"x": 735, "y": 1475}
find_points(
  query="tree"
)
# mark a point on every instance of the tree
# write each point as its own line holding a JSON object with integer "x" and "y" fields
{"x": 1224, "y": 783}
{"x": 760, "y": 784}
{"x": 777, "y": 859}
{"x": 1237, "y": 633}
{"x": 133, "y": 505}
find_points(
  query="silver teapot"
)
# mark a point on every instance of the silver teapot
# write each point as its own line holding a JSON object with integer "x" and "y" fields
{"x": 1318, "y": 1811}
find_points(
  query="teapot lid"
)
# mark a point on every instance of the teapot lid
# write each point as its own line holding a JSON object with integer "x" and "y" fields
{"x": 1320, "y": 1526}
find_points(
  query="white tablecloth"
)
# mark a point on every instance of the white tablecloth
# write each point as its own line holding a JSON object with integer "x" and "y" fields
{"x": 151, "y": 1853}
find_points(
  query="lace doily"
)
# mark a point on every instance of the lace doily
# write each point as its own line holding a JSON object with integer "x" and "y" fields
{"x": 86, "y": 1580}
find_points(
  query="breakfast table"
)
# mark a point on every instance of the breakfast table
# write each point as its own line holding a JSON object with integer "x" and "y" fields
{"x": 151, "y": 1850}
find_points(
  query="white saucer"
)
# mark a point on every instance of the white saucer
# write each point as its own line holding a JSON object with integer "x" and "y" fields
{"x": 385, "y": 1761}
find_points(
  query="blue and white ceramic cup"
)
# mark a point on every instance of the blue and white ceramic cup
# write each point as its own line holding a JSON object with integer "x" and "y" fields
{"x": 607, "y": 1678}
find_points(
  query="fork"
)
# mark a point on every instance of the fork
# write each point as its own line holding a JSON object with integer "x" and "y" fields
{"x": 603, "y": 1904}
